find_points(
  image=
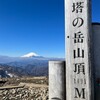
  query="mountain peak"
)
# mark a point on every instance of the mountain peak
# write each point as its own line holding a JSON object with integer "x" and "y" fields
{"x": 31, "y": 54}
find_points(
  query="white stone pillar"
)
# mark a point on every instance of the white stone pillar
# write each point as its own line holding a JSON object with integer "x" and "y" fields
{"x": 57, "y": 80}
{"x": 78, "y": 59}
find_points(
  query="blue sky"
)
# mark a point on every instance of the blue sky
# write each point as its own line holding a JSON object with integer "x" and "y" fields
{"x": 96, "y": 11}
{"x": 35, "y": 26}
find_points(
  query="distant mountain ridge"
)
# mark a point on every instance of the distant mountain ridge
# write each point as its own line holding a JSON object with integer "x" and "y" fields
{"x": 31, "y": 65}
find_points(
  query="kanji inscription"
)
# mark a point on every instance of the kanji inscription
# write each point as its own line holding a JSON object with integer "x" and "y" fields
{"x": 78, "y": 69}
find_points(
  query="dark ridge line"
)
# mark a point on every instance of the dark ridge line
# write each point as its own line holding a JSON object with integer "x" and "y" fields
{"x": 95, "y": 23}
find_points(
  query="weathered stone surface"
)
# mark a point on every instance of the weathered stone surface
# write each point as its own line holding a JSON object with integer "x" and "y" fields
{"x": 25, "y": 93}
{"x": 78, "y": 62}
{"x": 56, "y": 80}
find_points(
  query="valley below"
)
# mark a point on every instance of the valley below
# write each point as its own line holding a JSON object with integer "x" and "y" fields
{"x": 24, "y": 78}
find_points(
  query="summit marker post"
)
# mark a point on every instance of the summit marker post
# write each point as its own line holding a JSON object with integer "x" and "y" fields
{"x": 78, "y": 63}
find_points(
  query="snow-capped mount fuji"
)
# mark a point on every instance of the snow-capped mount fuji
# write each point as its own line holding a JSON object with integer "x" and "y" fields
{"x": 30, "y": 64}
{"x": 31, "y": 54}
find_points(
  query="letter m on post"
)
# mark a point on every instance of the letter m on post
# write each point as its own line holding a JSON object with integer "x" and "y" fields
{"x": 80, "y": 93}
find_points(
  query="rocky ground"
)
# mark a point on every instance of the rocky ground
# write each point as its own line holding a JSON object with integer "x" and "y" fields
{"x": 36, "y": 89}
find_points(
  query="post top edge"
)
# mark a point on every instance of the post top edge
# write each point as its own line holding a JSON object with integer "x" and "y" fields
{"x": 56, "y": 61}
{"x": 95, "y": 23}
